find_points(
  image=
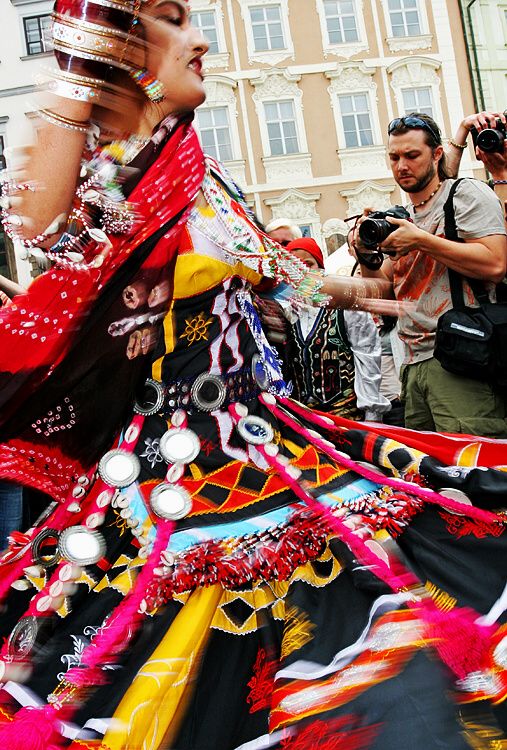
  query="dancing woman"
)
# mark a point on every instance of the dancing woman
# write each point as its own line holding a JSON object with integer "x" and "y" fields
{"x": 204, "y": 577}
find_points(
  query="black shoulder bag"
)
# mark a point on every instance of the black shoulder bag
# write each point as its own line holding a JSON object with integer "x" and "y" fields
{"x": 471, "y": 341}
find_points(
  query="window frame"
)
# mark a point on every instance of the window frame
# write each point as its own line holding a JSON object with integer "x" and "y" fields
{"x": 423, "y": 40}
{"x": 416, "y": 72}
{"x": 212, "y": 108}
{"x": 404, "y": 11}
{"x": 283, "y": 137}
{"x": 219, "y": 40}
{"x": 353, "y": 94}
{"x": 275, "y": 56}
{"x": 220, "y": 92}
{"x": 418, "y": 107}
{"x": 343, "y": 49}
{"x": 33, "y": 17}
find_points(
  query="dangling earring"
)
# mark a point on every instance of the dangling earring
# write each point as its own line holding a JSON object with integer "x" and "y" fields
{"x": 152, "y": 87}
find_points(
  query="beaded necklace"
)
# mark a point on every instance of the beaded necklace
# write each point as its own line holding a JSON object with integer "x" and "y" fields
{"x": 426, "y": 200}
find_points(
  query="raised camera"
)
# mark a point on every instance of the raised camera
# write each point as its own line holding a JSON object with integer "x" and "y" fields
{"x": 374, "y": 230}
{"x": 490, "y": 140}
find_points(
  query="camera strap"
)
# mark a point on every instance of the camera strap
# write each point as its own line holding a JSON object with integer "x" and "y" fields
{"x": 456, "y": 279}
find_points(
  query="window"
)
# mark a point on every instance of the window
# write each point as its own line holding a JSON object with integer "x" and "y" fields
{"x": 205, "y": 21}
{"x": 267, "y": 28}
{"x": 341, "y": 21}
{"x": 418, "y": 100}
{"x": 37, "y": 34}
{"x": 356, "y": 120}
{"x": 281, "y": 127}
{"x": 215, "y": 132}
{"x": 404, "y": 15}
{"x": 2, "y": 155}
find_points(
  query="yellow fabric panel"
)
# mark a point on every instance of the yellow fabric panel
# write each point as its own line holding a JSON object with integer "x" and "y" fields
{"x": 195, "y": 273}
{"x": 151, "y": 704}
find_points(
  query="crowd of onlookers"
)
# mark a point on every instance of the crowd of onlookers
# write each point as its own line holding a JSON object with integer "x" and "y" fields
{"x": 366, "y": 366}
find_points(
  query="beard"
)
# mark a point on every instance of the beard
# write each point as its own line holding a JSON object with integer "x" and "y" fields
{"x": 422, "y": 182}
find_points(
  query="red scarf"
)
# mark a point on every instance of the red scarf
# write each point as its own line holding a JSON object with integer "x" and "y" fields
{"x": 66, "y": 383}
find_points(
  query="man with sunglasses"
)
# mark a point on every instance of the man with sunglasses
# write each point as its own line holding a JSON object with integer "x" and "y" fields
{"x": 420, "y": 256}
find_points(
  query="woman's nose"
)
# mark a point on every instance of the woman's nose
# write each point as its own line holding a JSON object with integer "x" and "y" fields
{"x": 198, "y": 41}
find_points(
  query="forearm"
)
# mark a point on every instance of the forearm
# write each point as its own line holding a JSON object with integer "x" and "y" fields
{"x": 353, "y": 292}
{"x": 455, "y": 150}
{"x": 469, "y": 259}
{"x": 52, "y": 168}
{"x": 10, "y": 288}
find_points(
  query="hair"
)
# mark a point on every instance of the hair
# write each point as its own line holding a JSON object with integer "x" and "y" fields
{"x": 284, "y": 224}
{"x": 432, "y": 137}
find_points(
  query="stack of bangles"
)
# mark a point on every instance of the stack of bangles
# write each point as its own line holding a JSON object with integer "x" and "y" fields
{"x": 87, "y": 49}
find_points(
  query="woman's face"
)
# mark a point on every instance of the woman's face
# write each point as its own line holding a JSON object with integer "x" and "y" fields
{"x": 174, "y": 52}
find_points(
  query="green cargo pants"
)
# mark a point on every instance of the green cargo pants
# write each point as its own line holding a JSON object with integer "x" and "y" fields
{"x": 439, "y": 401}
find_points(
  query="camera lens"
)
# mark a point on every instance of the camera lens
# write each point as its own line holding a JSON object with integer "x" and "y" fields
{"x": 490, "y": 140}
{"x": 373, "y": 231}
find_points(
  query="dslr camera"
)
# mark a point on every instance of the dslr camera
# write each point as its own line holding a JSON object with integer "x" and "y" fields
{"x": 373, "y": 231}
{"x": 490, "y": 140}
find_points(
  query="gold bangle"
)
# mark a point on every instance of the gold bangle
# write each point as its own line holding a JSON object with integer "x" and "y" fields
{"x": 80, "y": 126}
{"x": 461, "y": 146}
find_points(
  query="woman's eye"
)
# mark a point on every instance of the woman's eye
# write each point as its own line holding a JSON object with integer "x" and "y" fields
{"x": 175, "y": 19}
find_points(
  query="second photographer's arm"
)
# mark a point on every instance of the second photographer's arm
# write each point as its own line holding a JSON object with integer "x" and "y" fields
{"x": 484, "y": 258}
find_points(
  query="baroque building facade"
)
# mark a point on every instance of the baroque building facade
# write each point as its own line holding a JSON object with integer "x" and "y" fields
{"x": 300, "y": 93}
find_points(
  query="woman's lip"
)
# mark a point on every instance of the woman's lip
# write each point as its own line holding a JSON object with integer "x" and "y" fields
{"x": 196, "y": 66}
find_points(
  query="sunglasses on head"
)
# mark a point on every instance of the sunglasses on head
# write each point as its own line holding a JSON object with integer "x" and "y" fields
{"x": 413, "y": 122}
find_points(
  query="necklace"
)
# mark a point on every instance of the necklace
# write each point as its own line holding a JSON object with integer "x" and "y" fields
{"x": 423, "y": 203}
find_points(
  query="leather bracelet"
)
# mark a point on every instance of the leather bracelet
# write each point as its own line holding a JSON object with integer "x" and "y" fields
{"x": 461, "y": 146}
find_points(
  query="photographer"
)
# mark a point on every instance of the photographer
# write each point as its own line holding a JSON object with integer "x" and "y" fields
{"x": 418, "y": 269}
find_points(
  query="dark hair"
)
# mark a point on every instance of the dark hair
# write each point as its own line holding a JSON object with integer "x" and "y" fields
{"x": 432, "y": 135}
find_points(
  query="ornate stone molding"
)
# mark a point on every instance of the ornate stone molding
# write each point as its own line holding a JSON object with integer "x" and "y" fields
{"x": 300, "y": 208}
{"x": 368, "y": 195}
{"x": 367, "y": 160}
{"x": 221, "y": 60}
{"x": 350, "y": 78}
{"x": 283, "y": 169}
{"x": 295, "y": 205}
{"x": 276, "y": 84}
{"x": 409, "y": 43}
{"x": 237, "y": 170}
{"x": 334, "y": 226}
{"x": 220, "y": 90}
{"x": 414, "y": 71}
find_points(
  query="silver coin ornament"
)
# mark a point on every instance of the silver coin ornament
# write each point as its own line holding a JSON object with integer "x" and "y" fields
{"x": 255, "y": 430}
{"x": 81, "y": 545}
{"x": 45, "y": 548}
{"x": 170, "y": 501}
{"x": 118, "y": 468}
{"x": 179, "y": 446}
{"x": 208, "y": 392}
{"x": 22, "y": 638}
{"x": 152, "y": 399}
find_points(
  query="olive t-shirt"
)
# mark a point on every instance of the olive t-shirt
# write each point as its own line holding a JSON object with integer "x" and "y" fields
{"x": 422, "y": 279}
